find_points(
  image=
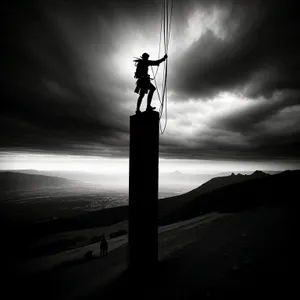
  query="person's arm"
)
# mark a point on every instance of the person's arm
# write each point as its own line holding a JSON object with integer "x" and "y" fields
{"x": 157, "y": 62}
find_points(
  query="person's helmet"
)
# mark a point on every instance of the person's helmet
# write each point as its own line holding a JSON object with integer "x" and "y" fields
{"x": 145, "y": 55}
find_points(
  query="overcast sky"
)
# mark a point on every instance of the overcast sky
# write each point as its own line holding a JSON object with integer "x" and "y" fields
{"x": 233, "y": 84}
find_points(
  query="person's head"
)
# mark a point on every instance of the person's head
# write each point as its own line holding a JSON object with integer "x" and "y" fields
{"x": 145, "y": 56}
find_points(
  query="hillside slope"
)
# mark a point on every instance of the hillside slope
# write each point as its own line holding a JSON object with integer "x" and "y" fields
{"x": 14, "y": 181}
{"x": 277, "y": 188}
{"x": 168, "y": 205}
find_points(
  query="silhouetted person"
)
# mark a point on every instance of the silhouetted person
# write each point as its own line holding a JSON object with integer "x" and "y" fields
{"x": 143, "y": 84}
{"x": 103, "y": 247}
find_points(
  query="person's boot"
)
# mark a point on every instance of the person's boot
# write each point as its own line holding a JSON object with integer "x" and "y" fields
{"x": 137, "y": 112}
{"x": 150, "y": 108}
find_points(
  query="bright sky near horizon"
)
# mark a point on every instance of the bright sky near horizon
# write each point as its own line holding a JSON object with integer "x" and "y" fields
{"x": 104, "y": 165}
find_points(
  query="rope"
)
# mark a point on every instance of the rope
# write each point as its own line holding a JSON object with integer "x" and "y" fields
{"x": 165, "y": 27}
{"x": 160, "y": 32}
{"x": 167, "y": 34}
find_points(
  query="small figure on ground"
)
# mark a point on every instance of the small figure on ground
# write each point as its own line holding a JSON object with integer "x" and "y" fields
{"x": 143, "y": 84}
{"x": 88, "y": 255}
{"x": 103, "y": 247}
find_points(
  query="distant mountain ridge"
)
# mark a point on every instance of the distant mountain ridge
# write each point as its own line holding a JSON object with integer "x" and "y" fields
{"x": 14, "y": 181}
{"x": 271, "y": 172}
{"x": 175, "y": 202}
{"x": 259, "y": 189}
{"x": 242, "y": 195}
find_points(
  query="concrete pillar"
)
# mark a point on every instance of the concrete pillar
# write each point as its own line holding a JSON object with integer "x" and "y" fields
{"x": 143, "y": 191}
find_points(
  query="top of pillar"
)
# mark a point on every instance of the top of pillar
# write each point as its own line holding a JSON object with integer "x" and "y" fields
{"x": 146, "y": 114}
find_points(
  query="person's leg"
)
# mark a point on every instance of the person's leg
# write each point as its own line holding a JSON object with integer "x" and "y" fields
{"x": 150, "y": 95}
{"x": 139, "y": 101}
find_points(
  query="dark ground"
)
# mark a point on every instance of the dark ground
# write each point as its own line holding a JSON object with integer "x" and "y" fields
{"x": 248, "y": 254}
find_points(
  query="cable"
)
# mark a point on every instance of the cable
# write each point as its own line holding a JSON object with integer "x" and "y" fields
{"x": 165, "y": 27}
{"x": 160, "y": 32}
{"x": 164, "y": 69}
{"x": 158, "y": 56}
{"x": 167, "y": 34}
{"x": 166, "y": 87}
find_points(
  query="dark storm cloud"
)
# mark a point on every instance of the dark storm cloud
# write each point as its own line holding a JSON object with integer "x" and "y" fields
{"x": 266, "y": 128}
{"x": 248, "y": 118}
{"x": 259, "y": 59}
{"x": 264, "y": 41}
{"x": 62, "y": 95}
{"x": 46, "y": 103}
{"x": 271, "y": 127}
{"x": 53, "y": 99}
